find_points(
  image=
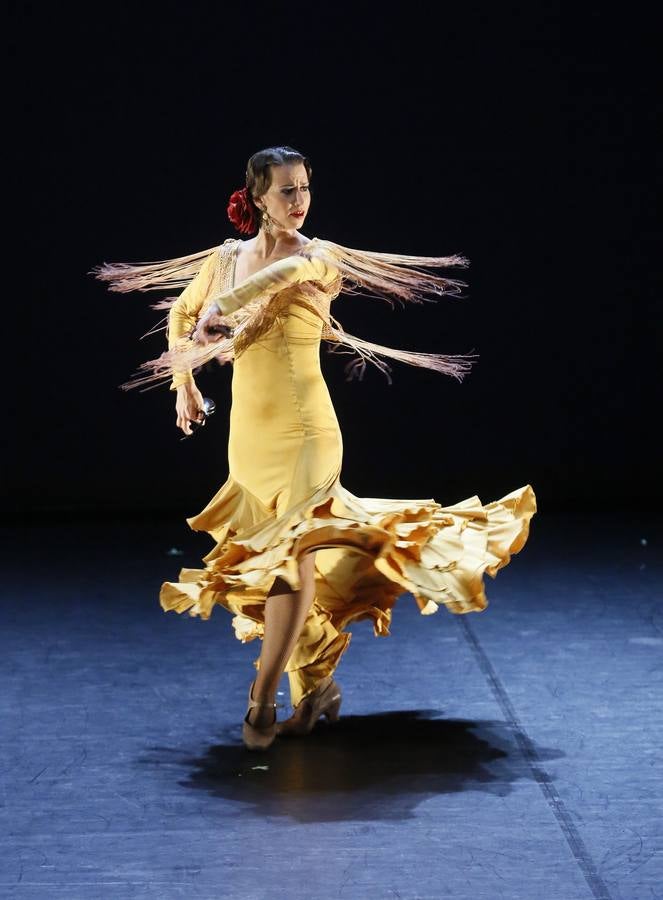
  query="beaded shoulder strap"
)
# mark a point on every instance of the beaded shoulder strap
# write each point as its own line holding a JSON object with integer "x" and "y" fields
{"x": 224, "y": 265}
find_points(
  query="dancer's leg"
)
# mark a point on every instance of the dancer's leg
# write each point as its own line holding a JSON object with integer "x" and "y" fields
{"x": 285, "y": 614}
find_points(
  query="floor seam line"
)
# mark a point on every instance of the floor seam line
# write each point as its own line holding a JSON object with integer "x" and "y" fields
{"x": 580, "y": 852}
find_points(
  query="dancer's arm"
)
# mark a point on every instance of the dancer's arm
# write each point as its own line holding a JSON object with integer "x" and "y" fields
{"x": 273, "y": 278}
{"x": 184, "y": 314}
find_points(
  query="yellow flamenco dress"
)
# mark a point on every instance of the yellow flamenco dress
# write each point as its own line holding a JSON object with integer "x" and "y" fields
{"x": 283, "y": 496}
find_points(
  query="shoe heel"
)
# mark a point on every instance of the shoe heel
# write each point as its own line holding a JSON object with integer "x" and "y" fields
{"x": 257, "y": 739}
{"x": 333, "y": 711}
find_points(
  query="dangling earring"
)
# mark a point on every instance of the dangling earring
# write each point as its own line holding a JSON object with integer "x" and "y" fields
{"x": 266, "y": 222}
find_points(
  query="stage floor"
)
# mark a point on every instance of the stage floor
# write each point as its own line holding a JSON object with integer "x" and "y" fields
{"x": 513, "y": 753}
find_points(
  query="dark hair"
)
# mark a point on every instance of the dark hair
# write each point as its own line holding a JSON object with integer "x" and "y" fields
{"x": 259, "y": 171}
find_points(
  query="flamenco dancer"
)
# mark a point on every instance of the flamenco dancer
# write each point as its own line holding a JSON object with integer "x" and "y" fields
{"x": 297, "y": 557}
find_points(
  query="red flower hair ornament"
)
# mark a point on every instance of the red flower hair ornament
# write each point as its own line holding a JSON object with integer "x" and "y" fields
{"x": 241, "y": 212}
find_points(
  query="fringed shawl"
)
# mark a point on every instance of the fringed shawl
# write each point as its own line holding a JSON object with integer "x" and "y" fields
{"x": 386, "y": 276}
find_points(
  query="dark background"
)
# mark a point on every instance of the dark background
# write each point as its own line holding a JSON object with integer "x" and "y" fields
{"x": 517, "y": 135}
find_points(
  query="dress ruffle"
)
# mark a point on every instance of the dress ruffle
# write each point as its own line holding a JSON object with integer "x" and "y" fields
{"x": 370, "y": 551}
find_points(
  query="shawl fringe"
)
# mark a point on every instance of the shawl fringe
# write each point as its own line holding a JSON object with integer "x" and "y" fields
{"x": 152, "y": 276}
{"x": 385, "y": 276}
{"x": 390, "y": 275}
{"x": 457, "y": 366}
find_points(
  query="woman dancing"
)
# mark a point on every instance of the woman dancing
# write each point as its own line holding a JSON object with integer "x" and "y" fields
{"x": 297, "y": 557}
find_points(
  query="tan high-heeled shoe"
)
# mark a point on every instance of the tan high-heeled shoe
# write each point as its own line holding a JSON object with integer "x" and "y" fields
{"x": 257, "y": 738}
{"x": 325, "y": 700}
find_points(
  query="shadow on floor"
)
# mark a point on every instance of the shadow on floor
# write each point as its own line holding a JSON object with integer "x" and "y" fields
{"x": 377, "y": 767}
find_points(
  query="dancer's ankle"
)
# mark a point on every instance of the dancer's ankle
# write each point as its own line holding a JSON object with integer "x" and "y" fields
{"x": 262, "y": 694}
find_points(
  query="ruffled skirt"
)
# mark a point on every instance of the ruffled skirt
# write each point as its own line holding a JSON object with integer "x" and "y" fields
{"x": 369, "y": 552}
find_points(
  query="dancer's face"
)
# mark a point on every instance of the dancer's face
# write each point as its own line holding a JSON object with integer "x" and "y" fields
{"x": 288, "y": 194}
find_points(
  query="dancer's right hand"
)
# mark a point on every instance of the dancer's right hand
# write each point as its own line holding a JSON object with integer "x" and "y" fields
{"x": 211, "y": 326}
{"x": 189, "y": 406}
